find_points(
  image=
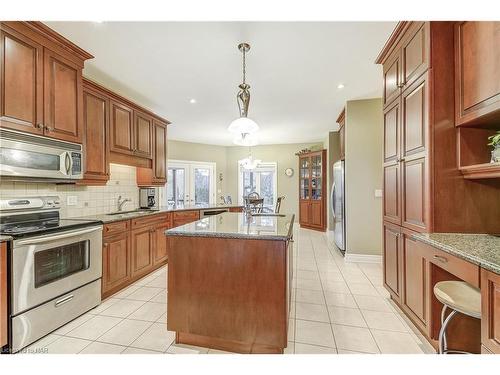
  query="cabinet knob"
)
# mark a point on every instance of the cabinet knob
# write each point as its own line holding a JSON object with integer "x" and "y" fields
{"x": 48, "y": 128}
{"x": 40, "y": 126}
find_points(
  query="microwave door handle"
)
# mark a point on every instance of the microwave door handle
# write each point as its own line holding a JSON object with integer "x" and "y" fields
{"x": 68, "y": 162}
{"x": 32, "y": 241}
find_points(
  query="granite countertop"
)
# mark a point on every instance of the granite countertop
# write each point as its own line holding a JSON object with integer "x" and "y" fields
{"x": 238, "y": 225}
{"x": 480, "y": 249}
{"x": 106, "y": 218}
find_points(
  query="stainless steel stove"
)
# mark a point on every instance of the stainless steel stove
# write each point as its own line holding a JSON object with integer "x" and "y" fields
{"x": 55, "y": 267}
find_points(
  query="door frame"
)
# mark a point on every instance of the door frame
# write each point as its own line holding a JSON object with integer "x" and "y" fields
{"x": 188, "y": 177}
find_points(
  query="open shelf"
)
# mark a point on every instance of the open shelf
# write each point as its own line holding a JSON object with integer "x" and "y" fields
{"x": 477, "y": 171}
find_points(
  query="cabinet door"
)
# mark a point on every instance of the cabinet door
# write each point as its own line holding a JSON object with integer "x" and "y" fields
{"x": 415, "y": 53}
{"x": 160, "y": 253}
{"x": 160, "y": 153}
{"x": 305, "y": 212}
{"x": 116, "y": 267}
{"x": 342, "y": 141}
{"x": 414, "y": 124}
{"x": 142, "y": 250}
{"x": 415, "y": 194}
{"x": 477, "y": 71}
{"x": 95, "y": 119}
{"x": 392, "y": 132}
{"x": 392, "y": 77}
{"x": 3, "y": 294}
{"x": 316, "y": 212}
{"x": 304, "y": 178}
{"x": 490, "y": 307}
{"x": 392, "y": 170}
{"x": 415, "y": 295}
{"x": 21, "y": 83}
{"x": 122, "y": 129}
{"x": 143, "y": 135}
{"x": 393, "y": 260}
{"x": 63, "y": 116}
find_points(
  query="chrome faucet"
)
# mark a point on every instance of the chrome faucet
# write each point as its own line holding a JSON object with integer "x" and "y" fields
{"x": 121, "y": 202}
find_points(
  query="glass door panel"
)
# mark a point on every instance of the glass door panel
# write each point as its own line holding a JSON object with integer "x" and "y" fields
{"x": 316, "y": 183}
{"x": 201, "y": 185}
{"x": 304, "y": 177}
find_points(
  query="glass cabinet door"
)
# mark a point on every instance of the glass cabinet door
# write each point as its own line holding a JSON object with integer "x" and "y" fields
{"x": 304, "y": 177}
{"x": 316, "y": 176}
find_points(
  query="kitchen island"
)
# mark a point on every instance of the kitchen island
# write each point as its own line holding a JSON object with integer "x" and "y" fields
{"x": 229, "y": 282}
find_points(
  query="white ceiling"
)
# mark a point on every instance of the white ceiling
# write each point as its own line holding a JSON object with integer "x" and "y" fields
{"x": 293, "y": 69}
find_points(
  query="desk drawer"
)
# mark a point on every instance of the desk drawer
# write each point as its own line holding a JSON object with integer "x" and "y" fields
{"x": 150, "y": 220}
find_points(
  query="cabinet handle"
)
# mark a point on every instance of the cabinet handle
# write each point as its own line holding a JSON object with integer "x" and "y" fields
{"x": 48, "y": 128}
{"x": 442, "y": 259}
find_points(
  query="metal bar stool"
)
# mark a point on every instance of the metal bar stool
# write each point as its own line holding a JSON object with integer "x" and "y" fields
{"x": 459, "y": 297}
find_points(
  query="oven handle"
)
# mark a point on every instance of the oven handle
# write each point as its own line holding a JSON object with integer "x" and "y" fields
{"x": 48, "y": 238}
{"x": 64, "y": 300}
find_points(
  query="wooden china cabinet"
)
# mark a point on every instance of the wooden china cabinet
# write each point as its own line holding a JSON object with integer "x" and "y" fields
{"x": 312, "y": 190}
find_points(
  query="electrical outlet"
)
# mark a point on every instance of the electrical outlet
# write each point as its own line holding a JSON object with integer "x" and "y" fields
{"x": 378, "y": 193}
{"x": 72, "y": 200}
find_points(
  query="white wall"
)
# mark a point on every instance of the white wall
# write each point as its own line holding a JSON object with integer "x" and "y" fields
{"x": 363, "y": 174}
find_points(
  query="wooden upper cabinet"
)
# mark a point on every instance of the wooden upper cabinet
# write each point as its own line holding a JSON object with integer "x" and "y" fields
{"x": 393, "y": 260}
{"x": 392, "y": 168}
{"x": 21, "y": 82}
{"x": 490, "y": 306}
{"x": 62, "y": 98}
{"x": 415, "y": 122}
{"x": 477, "y": 72}
{"x": 392, "y": 129}
{"x": 122, "y": 128}
{"x": 414, "y": 53}
{"x": 143, "y": 135}
{"x": 392, "y": 193}
{"x": 96, "y": 121}
{"x": 160, "y": 152}
{"x": 392, "y": 77}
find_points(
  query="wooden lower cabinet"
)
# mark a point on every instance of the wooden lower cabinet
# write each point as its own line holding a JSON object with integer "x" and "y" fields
{"x": 160, "y": 250}
{"x": 415, "y": 293}
{"x": 3, "y": 294}
{"x": 185, "y": 217}
{"x": 142, "y": 250}
{"x": 393, "y": 260}
{"x": 490, "y": 322}
{"x": 116, "y": 268}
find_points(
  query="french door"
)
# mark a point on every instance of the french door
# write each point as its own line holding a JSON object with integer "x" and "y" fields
{"x": 190, "y": 183}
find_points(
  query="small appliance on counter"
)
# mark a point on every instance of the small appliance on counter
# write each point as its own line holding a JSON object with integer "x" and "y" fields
{"x": 149, "y": 198}
{"x": 55, "y": 267}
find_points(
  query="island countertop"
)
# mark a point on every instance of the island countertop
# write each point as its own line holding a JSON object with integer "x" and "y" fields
{"x": 238, "y": 226}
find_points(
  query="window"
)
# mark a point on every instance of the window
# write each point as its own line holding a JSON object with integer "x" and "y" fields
{"x": 190, "y": 183}
{"x": 261, "y": 180}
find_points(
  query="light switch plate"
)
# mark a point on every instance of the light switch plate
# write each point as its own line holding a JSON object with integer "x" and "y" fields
{"x": 378, "y": 193}
{"x": 72, "y": 200}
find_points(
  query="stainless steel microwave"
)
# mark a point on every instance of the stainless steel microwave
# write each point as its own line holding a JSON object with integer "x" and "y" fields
{"x": 32, "y": 156}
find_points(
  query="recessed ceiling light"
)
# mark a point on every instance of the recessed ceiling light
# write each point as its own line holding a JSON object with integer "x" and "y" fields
{"x": 192, "y": 101}
{"x": 340, "y": 86}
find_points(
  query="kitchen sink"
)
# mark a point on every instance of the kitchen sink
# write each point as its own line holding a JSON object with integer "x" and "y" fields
{"x": 127, "y": 212}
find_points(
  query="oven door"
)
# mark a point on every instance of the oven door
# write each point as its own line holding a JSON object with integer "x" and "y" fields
{"x": 48, "y": 266}
{"x": 34, "y": 160}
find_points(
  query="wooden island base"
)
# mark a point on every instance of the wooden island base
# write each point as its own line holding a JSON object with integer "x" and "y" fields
{"x": 226, "y": 345}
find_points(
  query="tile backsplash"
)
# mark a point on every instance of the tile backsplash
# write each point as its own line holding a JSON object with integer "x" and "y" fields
{"x": 91, "y": 200}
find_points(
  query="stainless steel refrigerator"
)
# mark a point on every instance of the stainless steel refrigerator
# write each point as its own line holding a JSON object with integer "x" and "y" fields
{"x": 338, "y": 204}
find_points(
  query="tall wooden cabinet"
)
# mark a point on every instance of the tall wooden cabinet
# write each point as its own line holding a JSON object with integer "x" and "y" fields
{"x": 312, "y": 190}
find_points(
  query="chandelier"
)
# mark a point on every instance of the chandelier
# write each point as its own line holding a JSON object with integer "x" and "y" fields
{"x": 243, "y": 126}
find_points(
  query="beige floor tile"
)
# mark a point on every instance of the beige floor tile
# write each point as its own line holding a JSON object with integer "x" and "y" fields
{"x": 67, "y": 345}
{"x": 40, "y": 346}
{"x": 307, "y": 275}
{"x": 94, "y": 328}
{"x": 150, "y": 311}
{"x": 346, "y": 316}
{"x": 291, "y": 329}
{"x": 145, "y": 280}
{"x": 103, "y": 348}
{"x": 122, "y": 308}
{"x": 384, "y": 321}
{"x": 292, "y": 311}
{"x": 156, "y": 337}
{"x": 336, "y": 287}
{"x": 309, "y": 311}
{"x": 126, "y": 292}
{"x": 309, "y": 284}
{"x": 125, "y": 332}
{"x": 145, "y": 293}
{"x": 329, "y": 277}
{"x": 185, "y": 349}
{"x": 314, "y": 333}
{"x": 313, "y": 349}
{"x": 73, "y": 324}
{"x": 396, "y": 342}
{"x": 131, "y": 350}
{"x": 354, "y": 338}
{"x": 159, "y": 298}
{"x": 104, "y": 305}
{"x": 215, "y": 351}
{"x": 340, "y": 299}
{"x": 373, "y": 303}
{"x": 162, "y": 318}
{"x": 344, "y": 351}
{"x": 309, "y": 296}
{"x": 382, "y": 291}
{"x": 290, "y": 348}
{"x": 364, "y": 289}
{"x": 159, "y": 282}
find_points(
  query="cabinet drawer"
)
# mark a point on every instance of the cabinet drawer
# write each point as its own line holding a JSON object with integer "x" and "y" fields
{"x": 186, "y": 215}
{"x": 149, "y": 220}
{"x": 116, "y": 227}
{"x": 460, "y": 268}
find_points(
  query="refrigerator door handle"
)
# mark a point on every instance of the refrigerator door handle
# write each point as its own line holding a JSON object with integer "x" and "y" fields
{"x": 332, "y": 199}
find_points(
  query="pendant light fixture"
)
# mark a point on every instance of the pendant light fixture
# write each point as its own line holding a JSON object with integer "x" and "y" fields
{"x": 243, "y": 125}
{"x": 249, "y": 162}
